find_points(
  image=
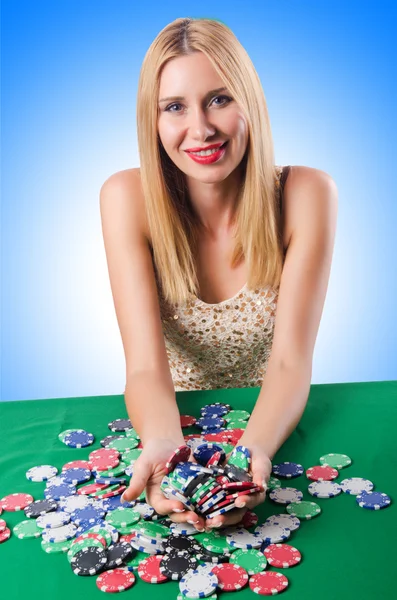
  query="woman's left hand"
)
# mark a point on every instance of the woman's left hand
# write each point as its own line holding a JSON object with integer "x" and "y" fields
{"x": 260, "y": 468}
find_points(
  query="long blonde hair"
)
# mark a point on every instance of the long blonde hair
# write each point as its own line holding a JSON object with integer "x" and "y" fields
{"x": 171, "y": 220}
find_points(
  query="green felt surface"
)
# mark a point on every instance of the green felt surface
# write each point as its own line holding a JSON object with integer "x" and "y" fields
{"x": 348, "y": 552}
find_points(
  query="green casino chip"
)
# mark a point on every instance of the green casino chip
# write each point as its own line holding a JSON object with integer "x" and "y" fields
{"x": 106, "y": 490}
{"x": 252, "y": 561}
{"x": 152, "y": 529}
{"x": 337, "y": 461}
{"x": 273, "y": 483}
{"x": 132, "y": 433}
{"x": 237, "y": 415}
{"x": 226, "y": 447}
{"x": 239, "y": 459}
{"x": 122, "y": 517}
{"x": 123, "y": 444}
{"x": 27, "y": 529}
{"x": 130, "y": 456}
{"x": 105, "y": 533}
{"x": 56, "y": 547}
{"x": 303, "y": 510}
{"x": 216, "y": 543}
{"x": 237, "y": 424}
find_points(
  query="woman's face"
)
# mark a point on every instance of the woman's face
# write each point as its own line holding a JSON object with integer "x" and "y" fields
{"x": 199, "y": 118}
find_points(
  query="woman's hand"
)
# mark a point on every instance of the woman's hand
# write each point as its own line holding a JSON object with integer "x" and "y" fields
{"x": 148, "y": 472}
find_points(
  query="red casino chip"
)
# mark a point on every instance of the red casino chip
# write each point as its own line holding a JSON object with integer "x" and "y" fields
{"x": 231, "y": 577}
{"x": 102, "y": 453}
{"x": 5, "y": 535}
{"x": 115, "y": 492}
{"x": 3, "y": 525}
{"x": 235, "y": 436}
{"x": 209, "y": 494}
{"x": 91, "y": 488}
{"x": 249, "y": 519}
{"x": 149, "y": 569}
{"x": 15, "y": 502}
{"x": 222, "y": 479}
{"x": 187, "y": 421}
{"x": 77, "y": 464}
{"x": 237, "y": 486}
{"x": 217, "y": 437}
{"x": 215, "y": 459}
{"x": 103, "y": 464}
{"x": 253, "y": 490}
{"x": 140, "y": 445}
{"x": 322, "y": 473}
{"x": 95, "y": 536}
{"x": 127, "y": 537}
{"x": 181, "y": 454}
{"x": 116, "y": 580}
{"x": 268, "y": 583}
{"x": 282, "y": 556}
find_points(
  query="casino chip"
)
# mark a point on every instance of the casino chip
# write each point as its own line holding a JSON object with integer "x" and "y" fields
{"x": 282, "y": 556}
{"x": 182, "y": 543}
{"x": 57, "y": 492}
{"x": 120, "y": 425}
{"x": 76, "y": 475}
{"x": 187, "y": 421}
{"x": 27, "y": 529}
{"x": 116, "y": 580}
{"x": 40, "y": 507}
{"x": 198, "y": 584}
{"x": 78, "y": 464}
{"x": 56, "y": 547}
{"x": 285, "y": 495}
{"x": 52, "y": 520}
{"x": 87, "y": 514}
{"x": 356, "y": 485}
{"x": 273, "y": 483}
{"x": 287, "y": 521}
{"x": 253, "y": 561}
{"x": 338, "y": 461}
{"x": 41, "y": 473}
{"x": 88, "y": 561}
{"x": 181, "y": 454}
{"x": 5, "y": 535}
{"x": 149, "y": 570}
{"x": 175, "y": 564}
{"x": 78, "y": 438}
{"x": 324, "y": 489}
{"x": 243, "y": 539}
{"x": 288, "y": 470}
{"x": 273, "y": 534}
{"x": 3, "y": 524}
{"x": 249, "y": 519}
{"x": 14, "y": 502}
{"x": 117, "y": 553}
{"x": 72, "y": 503}
{"x": 231, "y": 577}
{"x": 183, "y": 529}
{"x": 373, "y": 500}
{"x": 268, "y": 583}
{"x": 322, "y": 473}
{"x": 304, "y": 509}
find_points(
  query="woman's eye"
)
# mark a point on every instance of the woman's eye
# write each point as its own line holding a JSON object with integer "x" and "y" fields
{"x": 178, "y": 104}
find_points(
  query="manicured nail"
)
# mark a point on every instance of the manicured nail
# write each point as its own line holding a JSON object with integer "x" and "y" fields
{"x": 200, "y": 529}
{"x": 190, "y": 522}
{"x": 122, "y": 499}
{"x": 241, "y": 504}
{"x": 178, "y": 510}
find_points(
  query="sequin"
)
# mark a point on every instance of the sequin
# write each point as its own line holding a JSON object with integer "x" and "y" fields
{"x": 224, "y": 345}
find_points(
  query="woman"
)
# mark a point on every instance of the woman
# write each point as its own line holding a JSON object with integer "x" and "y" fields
{"x": 182, "y": 234}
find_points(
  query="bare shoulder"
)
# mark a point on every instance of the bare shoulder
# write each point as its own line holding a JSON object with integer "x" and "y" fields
{"x": 307, "y": 192}
{"x": 125, "y": 186}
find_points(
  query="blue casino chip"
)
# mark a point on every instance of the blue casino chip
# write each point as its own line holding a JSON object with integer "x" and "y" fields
{"x": 204, "y": 452}
{"x": 76, "y": 475}
{"x": 79, "y": 438}
{"x": 114, "y": 502}
{"x": 57, "y": 492}
{"x": 89, "y": 514}
{"x": 288, "y": 470}
{"x": 210, "y": 423}
{"x": 373, "y": 500}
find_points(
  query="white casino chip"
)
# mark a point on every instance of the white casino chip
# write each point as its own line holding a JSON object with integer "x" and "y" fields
{"x": 244, "y": 539}
{"x": 52, "y": 520}
{"x": 285, "y": 495}
{"x": 41, "y": 473}
{"x": 356, "y": 485}
{"x": 198, "y": 584}
{"x": 324, "y": 489}
{"x": 72, "y": 503}
{"x": 287, "y": 521}
{"x": 275, "y": 534}
{"x": 60, "y": 534}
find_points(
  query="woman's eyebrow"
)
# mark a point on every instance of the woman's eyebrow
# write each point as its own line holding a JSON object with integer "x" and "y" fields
{"x": 222, "y": 89}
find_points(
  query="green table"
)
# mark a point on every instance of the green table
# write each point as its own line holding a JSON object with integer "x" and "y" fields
{"x": 348, "y": 552}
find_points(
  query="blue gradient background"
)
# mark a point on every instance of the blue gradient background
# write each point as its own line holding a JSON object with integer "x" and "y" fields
{"x": 69, "y": 83}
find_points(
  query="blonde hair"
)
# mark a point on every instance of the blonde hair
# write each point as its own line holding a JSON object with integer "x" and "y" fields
{"x": 171, "y": 220}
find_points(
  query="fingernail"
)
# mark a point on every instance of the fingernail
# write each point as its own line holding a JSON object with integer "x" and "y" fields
{"x": 190, "y": 522}
{"x": 178, "y": 510}
{"x": 200, "y": 529}
{"x": 241, "y": 504}
{"x": 122, "y": 499}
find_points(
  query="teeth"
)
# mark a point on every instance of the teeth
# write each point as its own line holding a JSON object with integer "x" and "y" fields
{"x": 205, "y": 152}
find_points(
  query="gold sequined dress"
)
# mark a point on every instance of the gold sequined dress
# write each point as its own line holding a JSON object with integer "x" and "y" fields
{"x": 222, "y": 345}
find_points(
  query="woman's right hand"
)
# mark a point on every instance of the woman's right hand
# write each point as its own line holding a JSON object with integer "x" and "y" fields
{"x": 148, "y": 472}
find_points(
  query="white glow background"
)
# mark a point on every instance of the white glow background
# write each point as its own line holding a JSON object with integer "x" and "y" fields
{"x": 69, "y": 83}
